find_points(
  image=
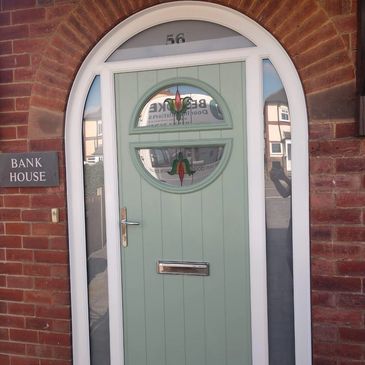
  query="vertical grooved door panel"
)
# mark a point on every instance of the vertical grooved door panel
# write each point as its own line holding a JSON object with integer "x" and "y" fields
{"x": 185, "y": 319}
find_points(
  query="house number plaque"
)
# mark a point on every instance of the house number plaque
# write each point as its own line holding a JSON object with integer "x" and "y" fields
{"x": 29, "y": 169}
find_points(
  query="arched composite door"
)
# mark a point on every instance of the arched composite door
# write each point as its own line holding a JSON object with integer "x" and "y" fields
{"x": 183, "y": 153}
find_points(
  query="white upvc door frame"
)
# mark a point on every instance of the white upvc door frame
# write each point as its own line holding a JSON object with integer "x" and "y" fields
{"x": 266, "y": 47}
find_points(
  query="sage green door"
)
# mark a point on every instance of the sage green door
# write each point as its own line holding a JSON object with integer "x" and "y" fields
{"x": 185, "y": 319}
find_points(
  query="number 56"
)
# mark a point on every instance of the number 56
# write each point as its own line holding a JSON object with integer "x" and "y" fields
{"x": 172, "y": 39}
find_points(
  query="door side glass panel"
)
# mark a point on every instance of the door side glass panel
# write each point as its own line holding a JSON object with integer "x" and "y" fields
{"x": 95, "y": 227}
{"x": 179, "y": 37}
{"x": 278, "y": 219}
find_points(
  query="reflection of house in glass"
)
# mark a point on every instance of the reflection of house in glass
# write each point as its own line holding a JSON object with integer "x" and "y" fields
{"x": 278, "y": 220}
{"x": 95, "y": 227}
{"x": 93, "y": 137}
{"x": 94, "y": 173}
{"x": 277, "y": 132}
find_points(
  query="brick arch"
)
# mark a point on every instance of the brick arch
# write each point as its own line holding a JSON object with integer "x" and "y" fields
{"x": 78, "y": 30}
{"x": 314, "y": 41}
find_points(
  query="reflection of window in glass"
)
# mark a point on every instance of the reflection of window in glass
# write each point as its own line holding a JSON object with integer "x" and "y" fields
{"x": 180, "y": 37}
{"x": 180, "y": 105}
{"x": 284, "y": 113}
{"x": 275, "y": 148}
{"x": 100, "y": 128}
{"x": 180, "y": 166}
{"x": 288, "y": 155}
{"x": 277, "y": 129}
{"x": 95, "y": 227}
{"x": 92, "y": 126}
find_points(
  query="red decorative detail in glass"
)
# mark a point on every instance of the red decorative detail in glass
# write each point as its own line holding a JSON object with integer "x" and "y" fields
{"x": 181, "y": 166}
{"x": 178, "y": 106}
{"x": 178, "y": 103}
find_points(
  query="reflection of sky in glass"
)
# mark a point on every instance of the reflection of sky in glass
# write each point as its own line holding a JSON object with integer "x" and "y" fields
{"x": 272, "y": 82}
{"x": 93, "y": 100}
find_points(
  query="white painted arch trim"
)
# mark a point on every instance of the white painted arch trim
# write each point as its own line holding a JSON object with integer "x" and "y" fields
{"x": 267, "y": 47}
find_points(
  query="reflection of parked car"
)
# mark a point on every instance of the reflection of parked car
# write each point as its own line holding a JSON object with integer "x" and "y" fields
{"x": 160, "y": 158}
{"x": 158, "y": 161}
{"x": 91, "y": 160}
{"x": 199, "y": 155}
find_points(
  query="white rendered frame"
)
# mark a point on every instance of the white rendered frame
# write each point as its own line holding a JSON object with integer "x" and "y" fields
{"x": 267, "y": 47}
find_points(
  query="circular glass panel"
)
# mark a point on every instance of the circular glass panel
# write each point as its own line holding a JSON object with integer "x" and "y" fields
{"x": 181, "y": 105}
{"x": 180, "y": 166}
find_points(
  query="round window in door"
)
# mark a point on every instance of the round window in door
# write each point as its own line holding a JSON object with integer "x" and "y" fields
{"x": 182, "y": 104}
{"x": 179, "y": 164}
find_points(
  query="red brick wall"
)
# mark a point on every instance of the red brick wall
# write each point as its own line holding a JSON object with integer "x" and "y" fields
{"x": 42, "y": 44}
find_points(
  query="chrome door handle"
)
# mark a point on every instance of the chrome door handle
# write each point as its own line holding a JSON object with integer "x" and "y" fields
{"x": 124, "y": 223}
{"x": 128, "y": 223}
